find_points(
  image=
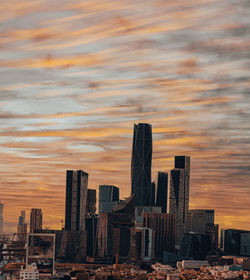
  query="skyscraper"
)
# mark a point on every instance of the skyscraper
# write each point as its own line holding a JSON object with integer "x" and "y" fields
{"x": 162, "y": 191}
{"x": 22, "y": 226}
{"x": 1, "y": 217}
{"x": 141, "y": 163}
{"x": 36, "y": 220}
{"x": 76, "y": 196}
{"x": 91, "y": 201}
{"x": 179, "y": 193}
{"x": 108, "y": 198}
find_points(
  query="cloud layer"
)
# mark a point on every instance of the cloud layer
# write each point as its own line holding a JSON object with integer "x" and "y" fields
{"x": 75, "y": 77}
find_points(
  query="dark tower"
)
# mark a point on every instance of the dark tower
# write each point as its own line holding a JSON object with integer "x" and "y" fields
{"x": 76, "y": 195}
{"x": 141, "y": 164}
{"x": 179, "y": 193}
{"x": 162, "y": 191}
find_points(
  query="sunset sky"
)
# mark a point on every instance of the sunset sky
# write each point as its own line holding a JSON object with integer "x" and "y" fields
{"x": 76, "y": 75}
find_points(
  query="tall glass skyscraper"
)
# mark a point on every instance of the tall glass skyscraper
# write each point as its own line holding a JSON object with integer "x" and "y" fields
{"x": 76, "y": 195}
{"x": 179, "y": 193}
{"x": 162, "y": 191}
{"x": 141, "y": 164}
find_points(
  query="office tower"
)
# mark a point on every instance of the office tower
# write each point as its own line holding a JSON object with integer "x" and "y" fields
{"x": 114, "y": 234}
{"x": 1, "y": 217}
{"x": 108, "y": 198}
{"x": 141, "y": 244}
{"x": 179, "y": 193}
{"x": 91, "y": 223}
{"x": 162, "y": 191}
{"x": 141, "y": 163}
{"x": 91, "y": 201}
{"x": 76, "y": 196}
{"x": 36, "y": 218}
{"x": 22, "y": 226}
{"x": 202, "y": 221}
{"x": 195, "y": 246}
{"x": 164, "y": 227}
{"x": 152, "y": 194}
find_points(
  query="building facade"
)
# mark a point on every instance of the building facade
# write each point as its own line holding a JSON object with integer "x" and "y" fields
{"x": 162, "y": 191}
{"x": 179, "y": 194}
{"x": 164, "y": 228}
{"x": 91, "y": 201}
{"x": 1, "y": 217}
{"x": 141, "y": 164}
{"x": 76, "y": 199}
{"x": 36, "y": 220}
{"x": 108, "y": 198}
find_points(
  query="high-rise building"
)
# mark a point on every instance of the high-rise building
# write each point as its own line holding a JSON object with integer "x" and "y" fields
{"x": 108, "y": 198}
{"x": 164, "y": 227}
{"x": 1, "y": 217}
{"x": 36, "y": 220}
{"x": 162, "y": 191}
{"x": 179, "y": 193}
{"x": 22, "y": 226}
{"x": 76, "y": 196}
{"x": 141, "y": 164}
{"x": 152, "y": 194}
{"x": 91, "y": 201}
{"x": 201, "y": 221}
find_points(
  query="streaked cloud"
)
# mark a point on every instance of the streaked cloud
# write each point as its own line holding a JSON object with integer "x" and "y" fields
{"x": 75, "y": 77}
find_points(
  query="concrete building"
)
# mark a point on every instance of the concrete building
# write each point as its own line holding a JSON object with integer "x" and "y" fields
{"x": 179, "y": 193}
{"x": 91, "y": 223}
{"x": 114, "y": 230}
{"x": 195, "y": 246}
{"x": 91, "y": 201}
{"x": 164, "y": 228}
{"x": 22, "y": 227}
{"x": 29, "y": 273}
{"x": 36, "y": 220}
{"x": 162, "y": 191}
{"x": 114, "y": 234}
{"x": 1, "y": 217}
{"x": 76, "y": 199}
{"x": 236, "y": 242}
{"x": 201, "y": 221}
{"x": 142, "y": 244}
{"x": 108, "y": 198}
{"x": 141, "y": 161}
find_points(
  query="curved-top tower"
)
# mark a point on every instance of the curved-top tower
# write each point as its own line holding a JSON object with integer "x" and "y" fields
{"x": 141, "y": 164}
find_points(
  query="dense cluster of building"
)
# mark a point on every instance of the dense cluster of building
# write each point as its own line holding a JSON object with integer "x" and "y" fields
{"x": 153, "y": 224}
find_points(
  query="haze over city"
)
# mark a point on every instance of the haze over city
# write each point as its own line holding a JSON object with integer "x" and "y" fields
{"x": 75, "y": 77}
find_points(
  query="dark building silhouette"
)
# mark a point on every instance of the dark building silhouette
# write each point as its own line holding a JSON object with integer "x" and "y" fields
{"x": 36, "y": 220}
{"x": 236, "y": 242}
{"x": 195, "y": 246}
{"x": 202, "y": 221}
{"x": 152, "y": 194}
{"x": 114, "y": 230}
{"x": 91, "y": 223}
{"x": 108, "y": 198}
{"x": 162, "y": 191}
{"x": 141, "y": 164}
{"x": 164, "y": 228}
{"x": 179, "y": 193}
{"x": 91, "y": 201}
{"x": 76, "y": 195}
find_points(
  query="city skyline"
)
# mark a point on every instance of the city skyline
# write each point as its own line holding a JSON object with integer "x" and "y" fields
{"x": 75, "y": 78}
